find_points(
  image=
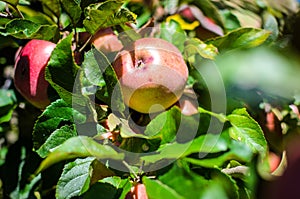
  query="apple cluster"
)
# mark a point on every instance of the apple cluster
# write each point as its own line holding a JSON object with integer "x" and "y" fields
{"x": 151, "y": 71}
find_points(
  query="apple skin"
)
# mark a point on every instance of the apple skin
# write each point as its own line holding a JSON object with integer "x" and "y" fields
{"x": 137, "y": 192}
{"x": 152, "y": 74}
{"x": 29, "y": 76}
{"x": 106, "y": 41}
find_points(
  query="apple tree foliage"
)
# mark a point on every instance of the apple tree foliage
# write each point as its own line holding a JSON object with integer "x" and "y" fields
{"x": 83, "y": 144}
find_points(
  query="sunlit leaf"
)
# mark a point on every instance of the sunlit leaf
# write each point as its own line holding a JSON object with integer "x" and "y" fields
{"x": 203, "y": 144}
{"x": 237, "y": 151}
{"x": 172, "y": 32}
{"x": 106, "y": 14}
{"x": 79, "y": 147}
{"x": 25, "y": 29}
{"x": 158, "y": 190}
{"x": 75, "y": 178}
{"x": 240, "y": 38}
{"x": 195, "y": 46}
{"x": 245, "y": 129}
{"x": 247, "y": 18}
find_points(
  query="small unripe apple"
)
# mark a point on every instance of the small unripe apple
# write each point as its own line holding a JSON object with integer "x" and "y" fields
{"x": 152, "y": 74}
{"x": 29, "y": 76}
{"x": 106, "y": 41}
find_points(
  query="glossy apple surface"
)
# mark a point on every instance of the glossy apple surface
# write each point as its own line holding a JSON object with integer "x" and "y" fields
{"x": 152, "y": 74}
{"x": 29, "y": 77}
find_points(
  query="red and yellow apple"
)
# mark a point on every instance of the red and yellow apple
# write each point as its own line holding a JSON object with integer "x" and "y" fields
{"x": 152, "y": 74}
{"x": 29, "y": 76}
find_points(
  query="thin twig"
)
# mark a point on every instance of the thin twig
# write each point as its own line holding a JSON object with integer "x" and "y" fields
{"x": 16, "y": 9}
{"x": 130, "y": 169}
{"x": 85, "y": 44}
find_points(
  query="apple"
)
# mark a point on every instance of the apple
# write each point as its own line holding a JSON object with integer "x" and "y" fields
{"x": 138, "y": 191}
{"x": 29, "y": 72}
{"x": 152, "y": 74}
{"x": 106, "y": 41}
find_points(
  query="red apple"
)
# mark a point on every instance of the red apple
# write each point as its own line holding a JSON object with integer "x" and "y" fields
{"x": 106, "y": 41}
{"x": 137, "y": 192}
{"x": 29, "y": 75}
{"x": 152, "y": 74}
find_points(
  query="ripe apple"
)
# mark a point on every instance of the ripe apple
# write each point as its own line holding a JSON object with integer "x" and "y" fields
{"x": 106, "y": 41}
{"x": 29, "y": 77}
{"x": 152, "y": 74}
{"x": 138, "y": 191}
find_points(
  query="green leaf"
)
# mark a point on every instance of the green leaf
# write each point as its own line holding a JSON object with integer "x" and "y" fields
{"x": 164, "y": 125}
{"x": 116, "y": 181}
{"x": 122, "y": 185}
{"x": 247, "y": 18}
{"x": 157, "y": 190}
{"x": 231, "y": 22}
{"x": 54, "y": 117}
{"x": 26, "y": 29}
{"x": 270, "y": 23}
{"x": 75, "y": 178}
{"x": 61, "y": 70}
{"x": 53, "y": 6}
{"x": 12, "y": 2}
{"x": 173, "y": 33}
{"x": 56, "y": 138}
{"x": 208, "y": 143}
{"x": 238, "y": 151}
{"x": 78, "y": 175}
{"x": 73, "y": 9}
{"x": 184, "y": 180}
{"x": 189, "y": 184}
{"x": 106, "y": 14}
{"x": 92, "y": 67}
{"x": 240, "y": 38}
{"x": 246, "y": 130}
{"x": 80, "y": 146}
{"x": 195, "y": 46}
{"x": 99, "y": 72}
{"x": 109, "y": 187}
{"x": 7, "y": 104}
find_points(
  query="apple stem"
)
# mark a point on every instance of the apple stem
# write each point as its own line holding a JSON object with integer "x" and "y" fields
{"x": 140, "y": 64}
